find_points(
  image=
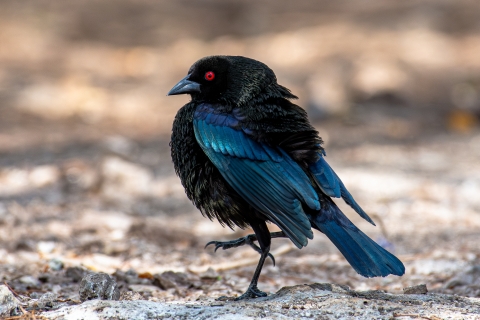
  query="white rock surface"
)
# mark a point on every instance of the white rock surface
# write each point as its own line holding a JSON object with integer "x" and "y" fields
{"x": 315, "y": 301}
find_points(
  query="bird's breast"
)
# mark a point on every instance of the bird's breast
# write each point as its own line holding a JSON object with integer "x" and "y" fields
{"x": 202, "y": 181}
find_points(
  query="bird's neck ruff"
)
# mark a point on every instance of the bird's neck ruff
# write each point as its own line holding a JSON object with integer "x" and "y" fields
{"x": 242, "y": 98}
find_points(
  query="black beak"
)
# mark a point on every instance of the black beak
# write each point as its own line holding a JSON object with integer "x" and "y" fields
{"x": 185, "y": 86}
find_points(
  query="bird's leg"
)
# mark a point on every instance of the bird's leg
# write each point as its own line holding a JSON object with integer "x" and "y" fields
{"x": 253, "y": 291}
{"x": 249, "y": 239}
{"x": 264, "y": 240}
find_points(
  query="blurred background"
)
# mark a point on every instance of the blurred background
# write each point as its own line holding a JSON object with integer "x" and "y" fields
{"x": 86, "y": 180}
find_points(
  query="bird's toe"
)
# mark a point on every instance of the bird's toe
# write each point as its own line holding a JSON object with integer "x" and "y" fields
{"x": 251, "y": 293}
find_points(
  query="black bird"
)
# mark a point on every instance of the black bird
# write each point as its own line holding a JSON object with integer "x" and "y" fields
{"x": 247, "y": 155}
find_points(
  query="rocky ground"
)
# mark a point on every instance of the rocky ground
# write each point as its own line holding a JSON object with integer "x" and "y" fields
{"x": 313, "y": 301}
{"x": 87, "y": 185}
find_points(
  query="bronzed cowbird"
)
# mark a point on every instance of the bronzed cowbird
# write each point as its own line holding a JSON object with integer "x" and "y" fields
{"x": 247, "y": 155}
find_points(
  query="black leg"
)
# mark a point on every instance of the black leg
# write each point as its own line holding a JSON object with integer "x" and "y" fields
{"x": 253, "y": 291}
{"x": 247, "y": 240}
{"x": 264, "y": 240}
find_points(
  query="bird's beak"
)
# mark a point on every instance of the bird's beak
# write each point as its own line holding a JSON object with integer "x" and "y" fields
{"x": 185, "y": 86}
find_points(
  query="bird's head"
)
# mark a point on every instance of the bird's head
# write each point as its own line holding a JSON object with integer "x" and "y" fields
{"x": 227, "y": 79}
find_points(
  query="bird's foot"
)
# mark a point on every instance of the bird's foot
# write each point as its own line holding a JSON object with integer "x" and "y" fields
{"x": 230, "y": 244}
{"x": 238, "y": 243}
{"x": 251, "y": 293}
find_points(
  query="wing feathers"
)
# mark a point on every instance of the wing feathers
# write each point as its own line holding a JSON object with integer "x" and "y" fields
{"x": 329, "y": 182}
{"x": 265, "y": 177}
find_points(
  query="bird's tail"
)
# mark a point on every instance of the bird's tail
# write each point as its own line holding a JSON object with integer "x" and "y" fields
{"x": 367, "y": 257}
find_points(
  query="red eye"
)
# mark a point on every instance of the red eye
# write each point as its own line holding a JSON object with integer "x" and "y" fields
{"x": 209, "y": 76}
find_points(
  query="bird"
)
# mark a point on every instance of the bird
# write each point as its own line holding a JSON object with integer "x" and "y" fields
{"x": 247, "y": 156}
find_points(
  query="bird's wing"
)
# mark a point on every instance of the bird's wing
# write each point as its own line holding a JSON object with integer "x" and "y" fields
{"x": 266, "y": 177}
{"x": 329, "y": 182}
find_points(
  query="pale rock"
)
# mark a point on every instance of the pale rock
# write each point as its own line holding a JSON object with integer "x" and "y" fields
{"x": 44, "y": 175}
{"x": 9, "y": 304}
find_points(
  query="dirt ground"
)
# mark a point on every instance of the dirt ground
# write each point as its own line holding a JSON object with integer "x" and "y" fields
{"x": 86, "y": 179}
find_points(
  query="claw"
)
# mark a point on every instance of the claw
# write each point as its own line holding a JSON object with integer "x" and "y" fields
{"x": 272, "y": 257}
{"x": 217, "y": 244}
{"x": 236, "y": 243}
{"x": 209, "y": 243}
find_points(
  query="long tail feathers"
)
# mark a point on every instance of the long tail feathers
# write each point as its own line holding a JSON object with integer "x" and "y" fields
{"x": 364, "y": 255}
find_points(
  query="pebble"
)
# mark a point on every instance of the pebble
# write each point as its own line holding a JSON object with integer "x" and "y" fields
{"x": 55, "y": 264}
{"x": 9, "y": 304}
{"x": 47, "y": 300}
{"x": 30, "y": 281}
{"x": 419, "y": 289}
{"x": 98, "y": 286}
{"x": 131, "y": 296}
